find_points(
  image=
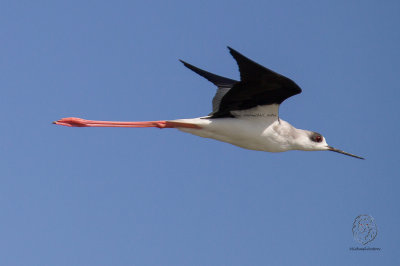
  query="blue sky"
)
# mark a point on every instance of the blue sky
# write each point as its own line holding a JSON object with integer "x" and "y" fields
{"x": 112, "y": 196}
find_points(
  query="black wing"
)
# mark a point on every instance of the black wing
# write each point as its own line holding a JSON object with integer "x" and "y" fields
{"x": 223, "y": 84}
{"x": 258, "y": 86}
{"x": 220, "y": 82}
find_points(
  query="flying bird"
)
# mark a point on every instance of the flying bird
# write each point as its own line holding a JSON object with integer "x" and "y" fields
{"x": 244, "y": 113}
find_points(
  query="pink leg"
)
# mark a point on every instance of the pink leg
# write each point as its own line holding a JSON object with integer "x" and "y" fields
{"x": 79, "y": 122}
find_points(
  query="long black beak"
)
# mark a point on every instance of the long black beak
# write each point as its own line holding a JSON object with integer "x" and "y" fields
{"x": 345, "y": 153}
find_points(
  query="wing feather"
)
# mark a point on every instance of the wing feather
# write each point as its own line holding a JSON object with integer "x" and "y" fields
{"x": 258, "y": 86}
{"x": 223, "y": 84}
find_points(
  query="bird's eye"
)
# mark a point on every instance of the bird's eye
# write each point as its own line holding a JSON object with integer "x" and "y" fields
{"x": 318, "y": 138}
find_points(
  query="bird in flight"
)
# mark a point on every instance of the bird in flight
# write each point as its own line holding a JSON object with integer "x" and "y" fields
{"x": 245, "y": 113}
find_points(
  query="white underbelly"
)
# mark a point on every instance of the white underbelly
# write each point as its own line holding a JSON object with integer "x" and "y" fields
{"x": 253, "y": 134}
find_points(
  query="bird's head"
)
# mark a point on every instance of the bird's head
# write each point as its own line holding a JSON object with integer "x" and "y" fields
{"x": 313, "y": 141}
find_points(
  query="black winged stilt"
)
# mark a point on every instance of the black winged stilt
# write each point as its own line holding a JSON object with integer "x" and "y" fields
{"x": 245, "y": 113}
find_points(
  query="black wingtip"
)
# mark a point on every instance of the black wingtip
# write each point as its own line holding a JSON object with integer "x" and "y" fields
{"x": 186, "y": 64}
{"x": 219, "y": 81}
{"x": 232, "y": 51}
{"x": 191, "y": 67}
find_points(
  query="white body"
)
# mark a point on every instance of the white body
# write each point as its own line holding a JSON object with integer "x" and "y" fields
{"x": 257, "y": 128}
{"x": 250, "y": 133}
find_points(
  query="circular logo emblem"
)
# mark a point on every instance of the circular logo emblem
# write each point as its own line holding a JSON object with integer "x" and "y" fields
{"x": 364, "y": 229}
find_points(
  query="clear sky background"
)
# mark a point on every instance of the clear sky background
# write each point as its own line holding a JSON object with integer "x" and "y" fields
{"x": 112, "y": 196}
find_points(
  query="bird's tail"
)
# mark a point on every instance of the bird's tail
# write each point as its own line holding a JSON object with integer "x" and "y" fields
{"x": 79, "y": 122}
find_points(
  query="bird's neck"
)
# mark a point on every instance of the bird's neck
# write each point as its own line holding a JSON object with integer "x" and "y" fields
{"x": 288, "y": 135}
